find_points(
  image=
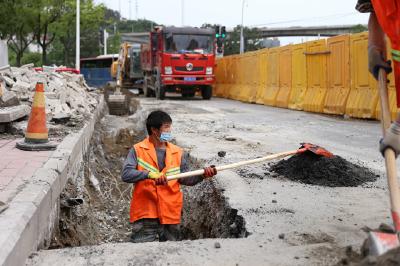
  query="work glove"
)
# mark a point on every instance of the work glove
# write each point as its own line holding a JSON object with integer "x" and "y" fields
{"x": 210, "y": 171}
{"x": 159, "y": 178}
{"x": 376, "y": 60}
{"x": 391, "y": 139}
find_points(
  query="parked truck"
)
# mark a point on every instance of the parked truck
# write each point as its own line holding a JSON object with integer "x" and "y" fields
{"x": 178, "y": 59}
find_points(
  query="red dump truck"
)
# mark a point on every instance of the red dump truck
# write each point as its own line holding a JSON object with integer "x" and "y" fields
{"x": 178, "y": 59}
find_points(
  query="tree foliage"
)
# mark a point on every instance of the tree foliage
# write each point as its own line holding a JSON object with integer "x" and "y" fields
{"x": 48, "y": 28}
{"x": 251, "y": 38}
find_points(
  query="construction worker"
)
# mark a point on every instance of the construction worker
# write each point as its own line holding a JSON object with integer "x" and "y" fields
{"x": 156, "y": 204}
{"x": 384, "y": 19}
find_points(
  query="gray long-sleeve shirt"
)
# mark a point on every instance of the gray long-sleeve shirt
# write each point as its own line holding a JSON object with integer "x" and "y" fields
{"x": 130, "y": 174}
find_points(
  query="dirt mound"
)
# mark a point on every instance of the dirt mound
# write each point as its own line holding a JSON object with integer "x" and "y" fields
{"x": 331, "y": 172}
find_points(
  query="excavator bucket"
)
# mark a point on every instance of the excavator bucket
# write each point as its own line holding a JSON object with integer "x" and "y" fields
{"x": 118, "y": 103}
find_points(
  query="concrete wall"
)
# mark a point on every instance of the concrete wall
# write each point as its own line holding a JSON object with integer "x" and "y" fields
{"x": 30, "y": 219}
{"x": 3, "y": 53}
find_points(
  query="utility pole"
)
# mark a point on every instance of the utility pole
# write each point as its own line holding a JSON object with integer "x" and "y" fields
{"x": 105, "y": 40}
{"x": 241, "y": 31}
{"x": 136, "y": 9}
{"x": 183, "y": 13}
{"x": 78, "y": 43}
{"x": 130, "y": 9}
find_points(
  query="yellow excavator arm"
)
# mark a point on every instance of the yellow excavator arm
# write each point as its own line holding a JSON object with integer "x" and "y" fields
{"x": 119, "y": 67}
{"x": 117, "y": 101}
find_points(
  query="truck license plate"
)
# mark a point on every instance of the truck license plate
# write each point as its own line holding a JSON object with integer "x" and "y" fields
{"x": 189, "y": 79}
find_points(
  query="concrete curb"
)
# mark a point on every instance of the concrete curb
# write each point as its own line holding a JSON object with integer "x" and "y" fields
{"x": 29, "y": 221}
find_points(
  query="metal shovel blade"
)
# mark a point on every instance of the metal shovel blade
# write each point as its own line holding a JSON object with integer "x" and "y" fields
{"x": 318, "y": 150}
{"x": 380, "y": 243}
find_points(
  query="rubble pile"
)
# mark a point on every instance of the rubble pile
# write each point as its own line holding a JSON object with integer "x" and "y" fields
{"x": 67, "y": 95}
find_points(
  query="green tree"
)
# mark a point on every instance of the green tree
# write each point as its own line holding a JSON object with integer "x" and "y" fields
{"x": 35, "y": 58}
{"x": 358, "y": 28}
{"x": 62, "y": 51}
{"x": 47, "y": 13}
{"x": 17, "y": 26}
{"x": 92, "y": 17}
{"x": 251, "y": 36}
{"x": 113, "y": 43}
{"x": 140, "y": 25}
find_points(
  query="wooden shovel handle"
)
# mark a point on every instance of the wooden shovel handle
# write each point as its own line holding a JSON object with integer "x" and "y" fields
{"x": 234, "y": 165}
{"x": 390, "y": 157}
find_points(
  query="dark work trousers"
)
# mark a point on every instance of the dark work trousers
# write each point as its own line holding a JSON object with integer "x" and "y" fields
{"x": 149, "y": 230}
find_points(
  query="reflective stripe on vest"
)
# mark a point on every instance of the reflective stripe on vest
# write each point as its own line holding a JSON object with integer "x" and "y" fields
{"x": 147, "y": 166}
{"x": 173, "y": 171}
{"x": 150, "y": 168}
{"x": 396, "y": 55}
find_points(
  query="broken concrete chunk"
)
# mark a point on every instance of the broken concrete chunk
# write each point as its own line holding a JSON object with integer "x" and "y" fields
{"x": 21, "y": 86}
{"x": 10, "y": 82}
{"x": 61, "y": 118}
{"x": 3, "y": 206}
{"x": 51, "y": 95}
{"x": 8, "y": 98}
{"x": 9, "y": 114}
{"x": 30, "y": 65}
{"x": 5, "y": 68}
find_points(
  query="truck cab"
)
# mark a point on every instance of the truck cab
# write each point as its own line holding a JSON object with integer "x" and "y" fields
{"x": 179, "y": 60}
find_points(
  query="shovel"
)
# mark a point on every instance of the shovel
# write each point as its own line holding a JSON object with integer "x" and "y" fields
{"x": 317, "y": 150}
{"x": 380, "y": 242}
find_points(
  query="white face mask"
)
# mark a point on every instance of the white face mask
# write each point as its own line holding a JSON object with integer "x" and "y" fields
{"x": 165, "y": 136}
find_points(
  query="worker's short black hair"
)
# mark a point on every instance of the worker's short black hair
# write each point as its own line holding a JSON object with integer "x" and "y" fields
{"x": 156, "y": 119}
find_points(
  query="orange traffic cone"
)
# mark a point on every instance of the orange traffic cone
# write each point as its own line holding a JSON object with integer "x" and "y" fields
{"x": 36, "y": 135}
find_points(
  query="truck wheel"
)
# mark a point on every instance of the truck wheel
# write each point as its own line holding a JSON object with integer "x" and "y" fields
{"x": 160, "y": 91}
{"x": 146, "y": 89}
{"x": 206, "y": 92}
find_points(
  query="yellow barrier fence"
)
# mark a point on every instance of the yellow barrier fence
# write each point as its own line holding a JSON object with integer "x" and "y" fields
{"x": 272, "y": 77}
{"x": 299, "y": 77}
{"x": 230, "y": 76}
{"x": 245, "y": 88}
{"x": 240, "y": 75}
{"x": 316, "y": 55}
{"x": 363, "y": 96}
{"x": 235, "y": 87}
{"x": 225, "y": 73}
{"x": 262, "y": 70}
{"x": 254, "y": 70}
{"x": 219, "y": 72}
{"x": 325, "y": 76}
{"x": 285, "y": 76}
{"x": 338, "y": 74}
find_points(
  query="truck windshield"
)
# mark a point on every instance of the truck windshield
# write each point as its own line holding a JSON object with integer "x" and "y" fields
{"x": 196, "y": 44}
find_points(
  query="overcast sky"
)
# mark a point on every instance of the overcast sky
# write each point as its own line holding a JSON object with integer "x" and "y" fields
{"x": 277, "y": 13}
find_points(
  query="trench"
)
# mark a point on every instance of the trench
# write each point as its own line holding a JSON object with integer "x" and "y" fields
{"x": 94, "y": 206}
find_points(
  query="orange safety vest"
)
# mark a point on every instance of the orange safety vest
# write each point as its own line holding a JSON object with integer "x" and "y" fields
{"x": 149, "y": 200}
{"x": 388, "y": 14}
